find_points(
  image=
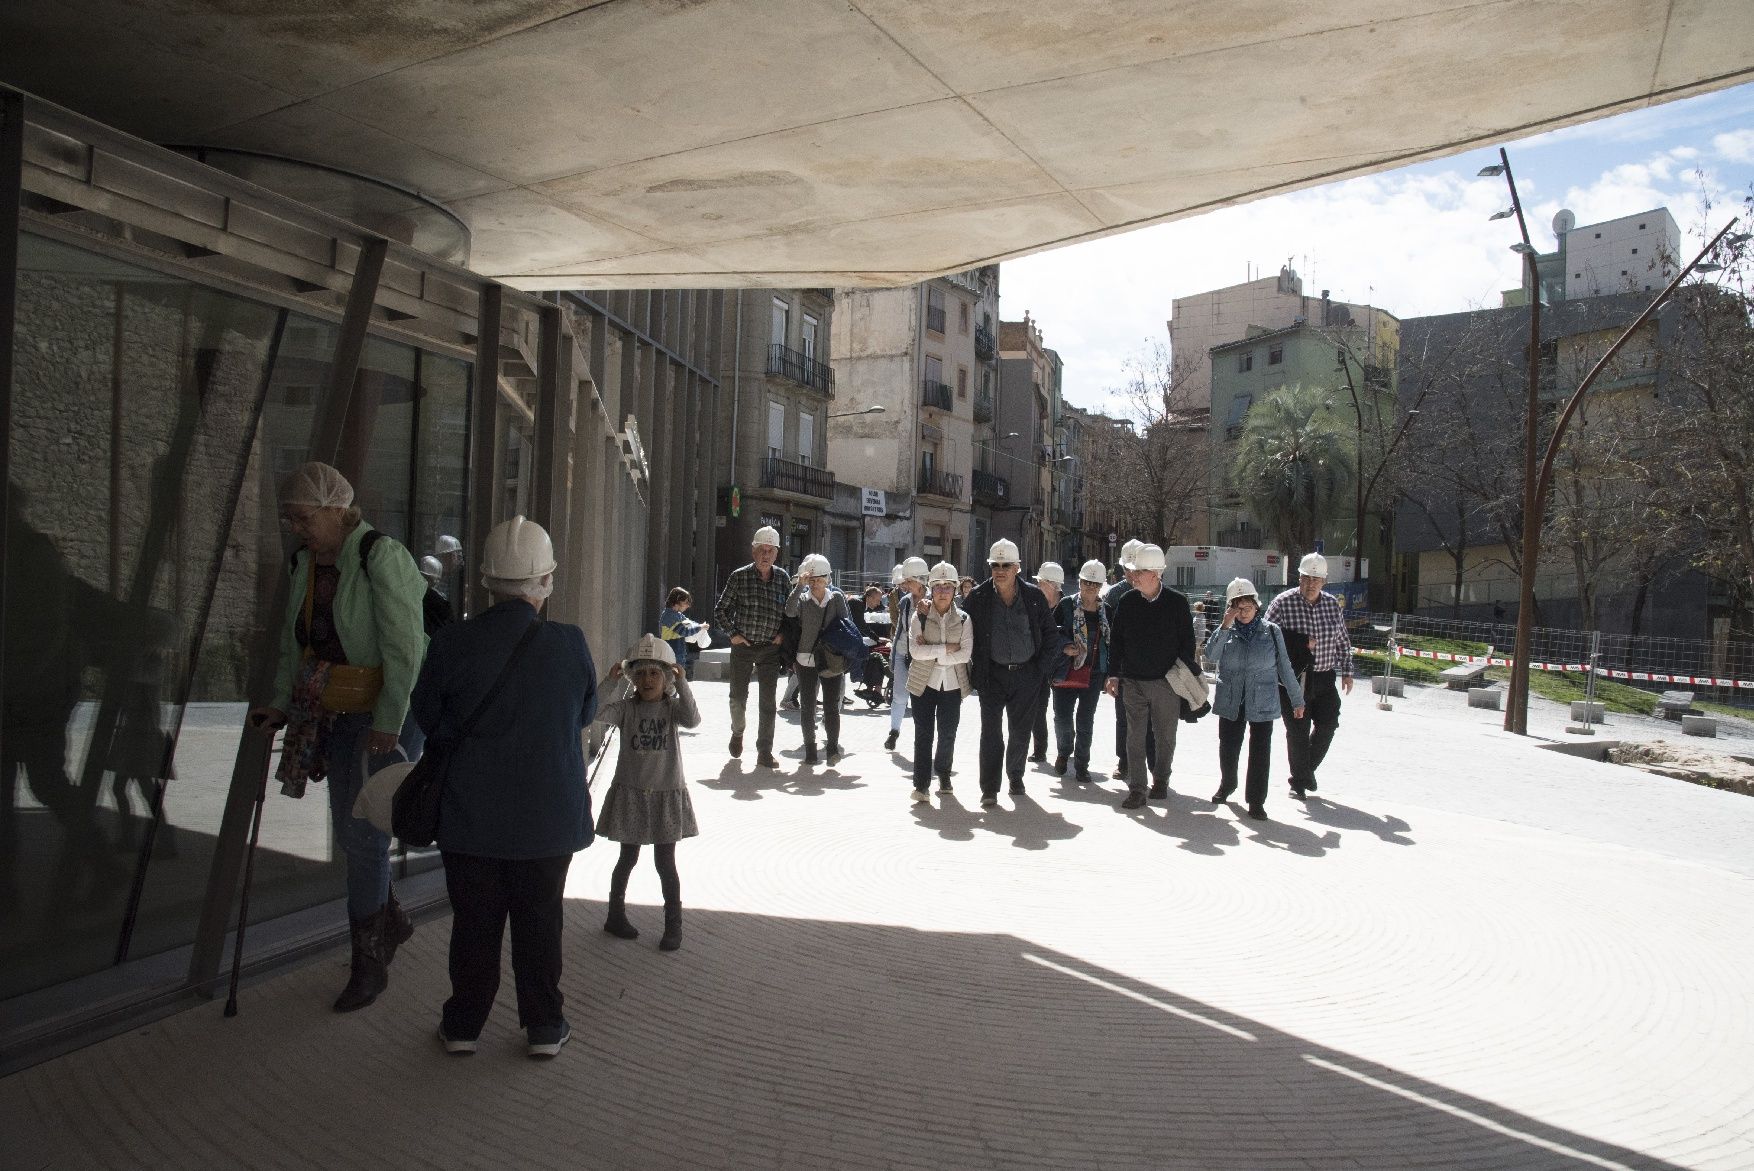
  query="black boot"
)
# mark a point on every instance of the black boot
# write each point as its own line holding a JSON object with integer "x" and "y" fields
{"x": 368, "y": 976}
{"x": 616, "y": 924}
{"x": 398, "y": 927}
{"x": 672, "y": 939}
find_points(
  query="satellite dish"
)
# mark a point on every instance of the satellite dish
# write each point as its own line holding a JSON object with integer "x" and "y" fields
{"x": 1563, "y": 221}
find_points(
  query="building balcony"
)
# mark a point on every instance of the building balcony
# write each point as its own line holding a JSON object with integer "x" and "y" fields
{"x": 935, "y": 394}
{"x": 784, "y": 360}
{"x": 983, "y": 406}
{"x": 936, "y": 483}
{"x": 1068, "y": 518}
{"x": 935, "y": 318}
{"x": 791, "y": 476}
{"x": 991, "y": 490}
{"x": 984, "y": 346}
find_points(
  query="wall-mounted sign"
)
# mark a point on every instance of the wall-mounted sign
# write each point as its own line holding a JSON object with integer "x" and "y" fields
{"x": 872, "y": 502}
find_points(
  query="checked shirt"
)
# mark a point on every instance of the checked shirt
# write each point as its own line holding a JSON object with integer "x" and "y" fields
{"x": 1325, "y": 621}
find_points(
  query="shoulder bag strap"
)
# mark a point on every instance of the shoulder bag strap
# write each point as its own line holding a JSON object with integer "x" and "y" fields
{"x": 505, "y": 673}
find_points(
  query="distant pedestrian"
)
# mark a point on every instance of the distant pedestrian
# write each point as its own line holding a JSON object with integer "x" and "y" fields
{"x": 1313, "y": 619}
{"x": 910, "y": 591}
{"x": 1111, "y": 598}
{"x": 1253, "y": 664}
{"x": 816, "y": 605}
{"x": 1151, "y": 631}
{"x": 1084, "y": 625}
{"x": 684, "y": 637}
{"x": 940, "y": 645}
{"x": 1050, "y": 579}
{"x": 1015, "y": 644}
{"x": 749, "y": 612}
{"x": 647, "y": 803}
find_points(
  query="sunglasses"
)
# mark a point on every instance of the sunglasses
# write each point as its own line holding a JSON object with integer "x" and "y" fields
{"x": 1001, "y": 565}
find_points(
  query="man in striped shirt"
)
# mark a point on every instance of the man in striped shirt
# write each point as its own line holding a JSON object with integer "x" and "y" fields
{"x": 1315, "y": 633}
{"x": 750, "y": 609}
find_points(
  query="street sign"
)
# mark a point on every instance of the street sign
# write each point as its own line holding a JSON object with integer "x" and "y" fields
{"x": 1113, "y": 537}
{"x": 872, "y": 502}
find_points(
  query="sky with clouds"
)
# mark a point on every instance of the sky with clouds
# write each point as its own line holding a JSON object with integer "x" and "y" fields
{"x": 1414, "y": 241}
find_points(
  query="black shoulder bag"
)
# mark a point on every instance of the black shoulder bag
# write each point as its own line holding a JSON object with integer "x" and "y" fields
{"x": 414, "y": 812}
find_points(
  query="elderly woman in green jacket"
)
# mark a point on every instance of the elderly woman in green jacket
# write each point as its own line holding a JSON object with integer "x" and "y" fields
{"x": 349, "y": 655}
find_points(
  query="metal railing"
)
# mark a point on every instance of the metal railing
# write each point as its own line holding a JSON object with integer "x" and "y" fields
{"x": 984, "y": 347}
{"x": 935, "y": 318}
{"x": 983, "y": 406}
{"x": 799, "y": 367}
{"x": 935, "y": 483}
{"x": 935, "y": 394}
{"x": 791, "y": 476}
{"x": 991, "y": 488}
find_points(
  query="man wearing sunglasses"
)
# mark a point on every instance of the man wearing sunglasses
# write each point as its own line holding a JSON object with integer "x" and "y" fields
{"x": 1015, "y": 647}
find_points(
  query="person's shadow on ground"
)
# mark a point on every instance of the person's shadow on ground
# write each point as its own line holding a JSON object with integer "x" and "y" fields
{"x": 813, "y": 780}
{"x": 953, "y": 820}
{"x": 1027, "y": 824}
{"x": 745, "y": 782}
{"x": 1282, "y": 836}
{"x": 1184, "y": 817}
{"x": 1324, "y": 812}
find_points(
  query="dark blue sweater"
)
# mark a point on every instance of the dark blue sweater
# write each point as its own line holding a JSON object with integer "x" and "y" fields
{"x": 517, "y": 785}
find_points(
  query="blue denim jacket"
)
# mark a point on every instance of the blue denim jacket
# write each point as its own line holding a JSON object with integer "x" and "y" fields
{"x": 1251, "y": 673}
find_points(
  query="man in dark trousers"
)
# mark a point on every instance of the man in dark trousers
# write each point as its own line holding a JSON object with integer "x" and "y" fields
{"x": 1015, "y": 644}
{"x": 1111, "y": 599}
{"x": 1314, "y": 619}
{"x": 750, "y": 609}
{"x": 1152, "y": 628}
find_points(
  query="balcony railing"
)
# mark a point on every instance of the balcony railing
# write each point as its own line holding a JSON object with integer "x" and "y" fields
{"x": 984, "y": 349}
{"x": 935, "y": 318}
{"x": 799, "y": 367}
{"x": 983, "y": 406}
{"x": 991, "y": 489}
{"x": 791, "y": 476}
{"x": 935, "y": 483}
{"x": 935, "y": 394}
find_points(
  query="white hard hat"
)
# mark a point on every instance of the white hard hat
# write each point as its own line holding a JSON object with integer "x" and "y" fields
{"x": 1240, "y": 587}
{"x": 649, "y": 648}
{"x": 1003, "y": 552}
{"x": 1148, "y": 559}
{"x": 517, "y": 550}
{"x": 1313, "y": 565}
{"x": 1093, "y": 571}
{"x": 767, "y": 535}
{"x": 914, "y": 567}
{"x": 447, "y": 544}
{"x": 1051, "y": 571}
{"x": 1127, "y": 551}
{"x": 896, "y": 575}
{"x": 431, "y": 568}
{"x": 944, "y": 571}
{"x": 815, "y": 565}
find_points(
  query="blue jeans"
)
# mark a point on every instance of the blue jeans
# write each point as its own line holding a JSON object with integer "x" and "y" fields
{"x": 898, "y": 696}
{"x": 364, "y": 847}
{"x": 1074, "y": 721}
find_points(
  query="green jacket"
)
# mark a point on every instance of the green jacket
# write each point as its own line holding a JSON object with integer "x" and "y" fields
{"x": 379, "y": 622}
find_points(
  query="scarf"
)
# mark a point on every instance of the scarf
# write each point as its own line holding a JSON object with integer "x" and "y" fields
{"x": 304, "y": 749}
{"x": 1246, "y": 631}
{"x": 1081, "y": 635}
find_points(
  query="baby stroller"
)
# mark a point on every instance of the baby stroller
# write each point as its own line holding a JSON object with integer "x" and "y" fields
{"x": 874, "y": 683}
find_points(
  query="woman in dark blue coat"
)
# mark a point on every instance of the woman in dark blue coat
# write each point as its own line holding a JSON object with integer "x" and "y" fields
{"x": 515, "y": 807}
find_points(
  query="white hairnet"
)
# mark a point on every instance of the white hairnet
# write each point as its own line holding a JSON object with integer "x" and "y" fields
{"x": 317, "y": 485}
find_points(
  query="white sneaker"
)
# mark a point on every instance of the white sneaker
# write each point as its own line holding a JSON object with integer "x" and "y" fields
{"x": 921, "y": 797}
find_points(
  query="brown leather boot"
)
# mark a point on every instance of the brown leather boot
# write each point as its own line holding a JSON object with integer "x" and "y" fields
{"x": 368, "y": 975}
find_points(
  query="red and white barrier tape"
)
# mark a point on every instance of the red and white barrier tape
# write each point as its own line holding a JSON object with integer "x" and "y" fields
{"x": 1583, "y": 668}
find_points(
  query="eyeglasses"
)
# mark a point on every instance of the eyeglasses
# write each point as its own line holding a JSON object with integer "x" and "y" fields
{"x": 295, "y": 520}
{"x": 1001, "y": 565}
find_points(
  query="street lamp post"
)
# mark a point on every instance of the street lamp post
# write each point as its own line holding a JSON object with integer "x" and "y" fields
{"x": 873, "y": 409}
{"x": 1538, "y": 482}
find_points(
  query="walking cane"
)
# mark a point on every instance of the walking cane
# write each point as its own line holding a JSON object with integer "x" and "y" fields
{"x": 237, "y": 954}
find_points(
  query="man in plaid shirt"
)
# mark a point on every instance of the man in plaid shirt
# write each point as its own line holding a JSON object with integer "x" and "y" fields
{"x": 750, "y": 609}
{"x": 1315, "y": 633}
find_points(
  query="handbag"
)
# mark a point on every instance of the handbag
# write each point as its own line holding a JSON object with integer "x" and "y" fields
{"x": 1077, "y": 679}
{"x": 414, "y": 811}
{"x": 347, "y": 689}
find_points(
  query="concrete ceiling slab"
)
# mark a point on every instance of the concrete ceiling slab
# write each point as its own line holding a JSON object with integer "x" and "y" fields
{"x": 694, "y": 142}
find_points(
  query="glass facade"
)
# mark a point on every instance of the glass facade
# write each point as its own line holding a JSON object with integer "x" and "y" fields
{"x": 152, "y": 420}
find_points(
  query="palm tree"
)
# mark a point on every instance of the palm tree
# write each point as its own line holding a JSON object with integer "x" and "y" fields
{"x": 1293, "y": 462}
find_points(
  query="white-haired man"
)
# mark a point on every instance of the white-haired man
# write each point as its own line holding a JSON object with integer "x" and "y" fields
{"x": 749, "y": 610}
{"x": 1314, "y": 624}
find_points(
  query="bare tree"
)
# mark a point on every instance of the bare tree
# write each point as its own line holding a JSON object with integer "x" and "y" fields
{"x": 1147, "y": 472}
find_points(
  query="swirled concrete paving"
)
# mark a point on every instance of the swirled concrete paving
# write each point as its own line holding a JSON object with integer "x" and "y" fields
{"x": 1466, "y": 952}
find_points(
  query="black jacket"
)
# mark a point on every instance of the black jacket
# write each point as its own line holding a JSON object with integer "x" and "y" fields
{"x": 979, "y": 608}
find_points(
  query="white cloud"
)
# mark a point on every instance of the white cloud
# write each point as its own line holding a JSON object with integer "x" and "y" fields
{"x": 1413, "y": 242}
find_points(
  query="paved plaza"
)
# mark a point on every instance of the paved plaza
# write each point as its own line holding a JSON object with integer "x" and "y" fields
{"x": 1465, "y": 951}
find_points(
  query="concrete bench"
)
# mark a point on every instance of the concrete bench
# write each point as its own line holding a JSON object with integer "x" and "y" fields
{"x": 1672, "y": 705}
{"x": 1593, "y": 713}
{"x": 1463, "y": 676}
{"x": 714, "y": 665}
{"x": 1387, "y": 685}
{"x": 1699, "y": 725}
{"x": 1486, "y": 697}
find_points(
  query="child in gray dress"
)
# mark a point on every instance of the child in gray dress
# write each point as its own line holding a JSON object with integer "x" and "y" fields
{"x": 648, "y": 799}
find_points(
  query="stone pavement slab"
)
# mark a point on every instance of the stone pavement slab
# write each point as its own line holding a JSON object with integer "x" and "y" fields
{"x": 1464, "y": 951}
